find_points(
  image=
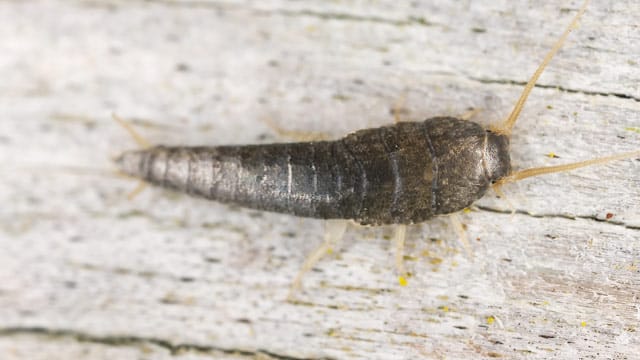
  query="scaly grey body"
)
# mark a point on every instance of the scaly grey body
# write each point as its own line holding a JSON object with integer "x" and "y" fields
{"x": 400, "y": 174}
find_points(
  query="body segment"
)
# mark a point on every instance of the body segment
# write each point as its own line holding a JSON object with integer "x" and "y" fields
{"x": 399, "y": 174}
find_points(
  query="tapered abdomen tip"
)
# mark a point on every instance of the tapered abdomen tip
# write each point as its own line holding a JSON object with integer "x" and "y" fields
{"x": 131, "y": 163}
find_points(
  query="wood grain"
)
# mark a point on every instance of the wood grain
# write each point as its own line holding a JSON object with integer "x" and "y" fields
{"x": 86, "y": 273}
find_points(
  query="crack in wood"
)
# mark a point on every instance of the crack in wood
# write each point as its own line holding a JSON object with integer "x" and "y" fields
{"x": 132, "y": 340}
{"x": 411, "y": 20}
{"x": 340, "y": 16}
{"x": 556, "y": 87}
{"x": 558, "y": 216}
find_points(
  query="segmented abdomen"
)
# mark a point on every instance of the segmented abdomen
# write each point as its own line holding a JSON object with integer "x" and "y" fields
{"x": 304, "y": 179}
{"x": 395, "y": 174}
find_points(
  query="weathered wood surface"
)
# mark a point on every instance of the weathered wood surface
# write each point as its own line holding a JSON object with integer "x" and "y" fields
{"x": 85, "y": 273}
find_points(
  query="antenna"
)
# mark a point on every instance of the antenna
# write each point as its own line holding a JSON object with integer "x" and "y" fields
{"x": 523, "y": 174}
{"x": 507, "y": 125}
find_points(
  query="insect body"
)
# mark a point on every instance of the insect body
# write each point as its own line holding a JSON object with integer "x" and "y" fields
{"x": 400, "y": 174}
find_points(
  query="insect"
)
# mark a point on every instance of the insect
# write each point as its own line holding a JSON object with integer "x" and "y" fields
{"x": 400, "y": 174}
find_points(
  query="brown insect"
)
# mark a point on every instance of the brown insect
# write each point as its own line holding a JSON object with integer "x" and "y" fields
{"x": 400, "y": 174}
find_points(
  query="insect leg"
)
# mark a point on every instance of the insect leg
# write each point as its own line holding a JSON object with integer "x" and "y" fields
{"x": 497, "y": 188}
{"x": 398, "y": 241}
{"x": 399, "y": 108}
{"x": 470, "y": 114}
{"x": 462, "y": 234}
{"x": 296, "y": 135}
{"x": 334, "y": 231}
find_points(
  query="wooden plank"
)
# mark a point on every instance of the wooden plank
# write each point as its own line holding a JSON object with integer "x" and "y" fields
{"x": 85, "y": 271}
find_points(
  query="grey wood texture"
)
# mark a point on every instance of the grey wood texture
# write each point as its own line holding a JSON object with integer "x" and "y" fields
{"x": 86, "y": 273}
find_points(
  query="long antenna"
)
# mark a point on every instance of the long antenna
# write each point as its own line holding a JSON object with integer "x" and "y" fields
{"x": 507, "y": 125}
{"x": 523, "y": 174}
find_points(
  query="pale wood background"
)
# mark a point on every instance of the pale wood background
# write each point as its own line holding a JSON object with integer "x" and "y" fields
{"x": 85, "y": 273}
